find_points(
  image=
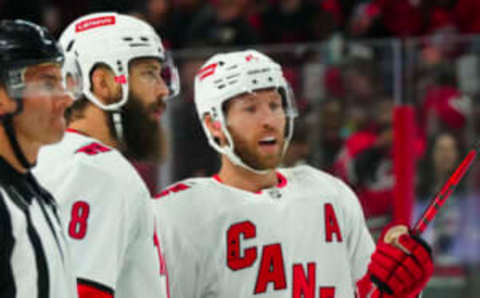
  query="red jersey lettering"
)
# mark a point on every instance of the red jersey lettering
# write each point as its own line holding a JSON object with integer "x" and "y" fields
{"x": 271, "y": 266}
{"x": 331, "y": 224}
{"x": 272, "y": 269}
{"x": 327, "y": 292}
{"x": 303, "y": 286}
{"x": 77, "y": 228}
{"x": 235, "y": 259}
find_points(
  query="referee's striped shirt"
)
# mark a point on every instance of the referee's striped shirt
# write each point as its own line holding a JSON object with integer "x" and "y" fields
{"x": 34, "y": 261}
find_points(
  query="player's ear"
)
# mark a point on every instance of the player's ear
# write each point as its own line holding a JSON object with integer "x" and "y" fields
{"x": 104, "y": 85}
{"x": 215, "y": 128}
{"x": 7, "y": 105}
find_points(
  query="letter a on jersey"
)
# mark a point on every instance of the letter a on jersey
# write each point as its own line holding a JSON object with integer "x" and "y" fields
{"x": 331, "y": 224}
{"x": 272, "y": 269}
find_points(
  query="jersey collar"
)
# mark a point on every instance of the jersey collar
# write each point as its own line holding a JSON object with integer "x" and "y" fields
{"x": 24, "y": 185}
{"x": 282, "y": 181}
{"x": 72, "y": 130}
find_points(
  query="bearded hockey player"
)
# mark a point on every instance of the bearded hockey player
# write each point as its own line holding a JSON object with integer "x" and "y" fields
{"x": 256, "y": 230}
{"x": 105, "y": 205}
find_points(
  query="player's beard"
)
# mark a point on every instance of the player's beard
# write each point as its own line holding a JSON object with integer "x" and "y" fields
{"x": 143, "y": 137}
{"x": 250, "y": 155}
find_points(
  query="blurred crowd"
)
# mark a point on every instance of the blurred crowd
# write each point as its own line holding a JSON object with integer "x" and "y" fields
{"x": 341, "y": 59}
{"x": 191, "y": 23}
{"x": 346, "y": 91}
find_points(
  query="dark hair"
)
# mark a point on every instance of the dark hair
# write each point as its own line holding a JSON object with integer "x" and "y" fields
{"x": 426, "y": 180}
{"x": 24, "y": 44}
{"x": 75, "y": 111}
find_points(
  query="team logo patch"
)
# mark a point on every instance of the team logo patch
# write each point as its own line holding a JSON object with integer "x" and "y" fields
{"x": 93, "y": 149}
{"x": 207, "y": 71}
{"x": 94, "y": 23}
{"x": 250, "y": 57}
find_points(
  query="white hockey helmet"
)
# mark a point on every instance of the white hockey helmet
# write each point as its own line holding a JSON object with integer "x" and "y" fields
{"x": 114, "y": 40}
{"x": 227, "y": 75}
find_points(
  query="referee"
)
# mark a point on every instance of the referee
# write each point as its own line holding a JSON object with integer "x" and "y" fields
{"x": 34, "y": 262}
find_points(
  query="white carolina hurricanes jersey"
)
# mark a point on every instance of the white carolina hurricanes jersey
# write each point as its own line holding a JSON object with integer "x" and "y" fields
{"x": 306, "y": 237}
{"x": 108, "y": 217}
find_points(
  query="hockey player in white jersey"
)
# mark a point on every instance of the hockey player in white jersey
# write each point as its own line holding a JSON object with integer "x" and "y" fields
{"x": 118, "y": 61}
{"x": 255, "y": 230}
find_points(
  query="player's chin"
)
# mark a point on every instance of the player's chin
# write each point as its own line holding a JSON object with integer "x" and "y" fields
{"x": 57, "y": 137}
{"x": 268, "y": 162}
{"x": 270, "y": 153}
{"x": 56, "y": 133}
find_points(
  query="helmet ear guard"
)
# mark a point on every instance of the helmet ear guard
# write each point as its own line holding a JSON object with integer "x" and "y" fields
{"x": 226, "y": 76}
{"x": 213, "y": 127}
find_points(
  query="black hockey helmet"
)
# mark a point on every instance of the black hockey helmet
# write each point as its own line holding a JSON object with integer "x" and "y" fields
{"x": 23, "y": 44}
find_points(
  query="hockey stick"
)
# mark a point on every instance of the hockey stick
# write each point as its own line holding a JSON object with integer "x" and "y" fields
{"x": 430, "y": 212}
{"x": 437, "y": 202}
{"x": 447, "y": 189}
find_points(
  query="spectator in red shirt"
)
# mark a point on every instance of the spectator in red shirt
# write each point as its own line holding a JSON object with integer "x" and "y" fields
{"x": 366, "y": 163}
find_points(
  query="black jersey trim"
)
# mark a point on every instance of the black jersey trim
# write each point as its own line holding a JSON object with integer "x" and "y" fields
{"x": 44, "y": 197}
{"x": 43, "y": 280}
{"x": 52, "y": 228}
{"x": 97, "y": 285}
{"x": 7, "y": 280}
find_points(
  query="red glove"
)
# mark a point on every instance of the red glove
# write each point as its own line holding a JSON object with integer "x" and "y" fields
{"x": 401, "y": 271}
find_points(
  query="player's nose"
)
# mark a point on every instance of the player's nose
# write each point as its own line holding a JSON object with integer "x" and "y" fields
{"x": 267, "y": 116}
{"x": 63, "y": 100}
{"x": 162, "y": 90}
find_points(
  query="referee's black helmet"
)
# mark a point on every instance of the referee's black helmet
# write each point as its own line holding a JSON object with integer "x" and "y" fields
{"x": 24, "y": 44}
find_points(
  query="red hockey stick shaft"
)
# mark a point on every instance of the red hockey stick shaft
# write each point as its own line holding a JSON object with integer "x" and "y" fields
{"x": 447, "y": 189}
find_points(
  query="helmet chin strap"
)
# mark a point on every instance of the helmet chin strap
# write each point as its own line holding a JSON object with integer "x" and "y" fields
{"x": 117, "y": 124}
{"x": 114, "y": 111}
{"x": 12, "y": 138}
{"x": 228, "y": 150}
{"x": 238, "y": 162}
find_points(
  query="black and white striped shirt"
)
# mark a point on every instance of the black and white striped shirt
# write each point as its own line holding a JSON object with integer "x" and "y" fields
{"x": 34, "y": 261}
